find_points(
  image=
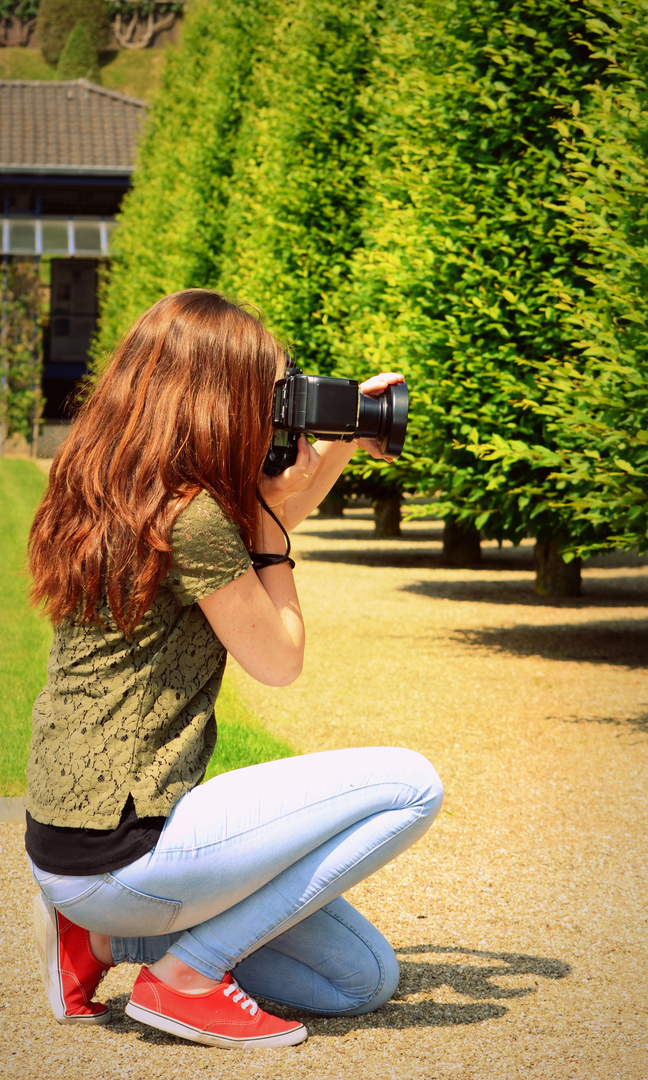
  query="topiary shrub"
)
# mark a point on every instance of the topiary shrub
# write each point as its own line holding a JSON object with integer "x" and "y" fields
{"x": 79, "y": 59}
{"x": 57, "y": 18}
{"x": 21, "y": 398}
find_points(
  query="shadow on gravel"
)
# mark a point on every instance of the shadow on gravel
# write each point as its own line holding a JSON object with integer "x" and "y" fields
{"x": 472, "y": 973}
{"x": 408, "y": 557}
{"x": 615, "y": 642}
{"x": 346, "y": 531}
{"x": 597, "y": 591}
{"x": 635, "y": 723}
{"x": 608, "y": 592}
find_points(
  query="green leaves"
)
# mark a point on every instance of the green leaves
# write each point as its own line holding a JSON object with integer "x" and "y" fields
{"x": 57, "y": 18}
{"x": 21, "y": 9}
{"x": 451, "y": 188}
{"x": 20, "y": 349}
{"x": 473, "y": 262}
{"x": 292, "y": 220}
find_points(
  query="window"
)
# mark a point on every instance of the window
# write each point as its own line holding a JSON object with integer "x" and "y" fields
{"x": 56, "y": 236}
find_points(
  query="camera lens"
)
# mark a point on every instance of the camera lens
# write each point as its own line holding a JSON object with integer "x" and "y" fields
{"x": 385, "y": 419}
{"x": 331, "y": 408}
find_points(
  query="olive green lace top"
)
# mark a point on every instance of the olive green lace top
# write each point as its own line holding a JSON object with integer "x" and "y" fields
{"x": 123, "y": 716}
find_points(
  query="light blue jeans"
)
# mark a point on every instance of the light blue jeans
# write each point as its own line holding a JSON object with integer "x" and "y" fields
{"x": 248, "y": 874}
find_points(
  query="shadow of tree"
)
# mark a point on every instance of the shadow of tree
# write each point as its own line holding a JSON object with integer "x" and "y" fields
{"x": 508, "y": 554}
{"x": 423, "y": 547}
{"x": 608, "y": 592}
{"x": 471, "y": 973}
{"x": 619, "y": 642}
{"x": 347, "y": 531}
{"x": 635, "y": 723}
{"x": 379, "y": 556}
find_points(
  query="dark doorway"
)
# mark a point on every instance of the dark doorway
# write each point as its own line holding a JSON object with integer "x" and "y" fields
{"x": 73, "y": 317}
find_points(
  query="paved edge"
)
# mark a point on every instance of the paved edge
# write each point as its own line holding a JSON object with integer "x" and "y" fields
{"x": 12, "y": 809}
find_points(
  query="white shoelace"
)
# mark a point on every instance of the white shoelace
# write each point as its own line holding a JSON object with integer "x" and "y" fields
{"x": 241, "y": 997}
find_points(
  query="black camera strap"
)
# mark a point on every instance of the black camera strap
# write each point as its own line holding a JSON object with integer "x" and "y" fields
{"x": 261, "y": 559}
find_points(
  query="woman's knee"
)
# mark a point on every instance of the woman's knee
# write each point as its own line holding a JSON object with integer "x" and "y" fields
{"x": 432, "y": 793}
{"x": 372, "y": 971}
{"x": 419, "y": 775}
{"x": 387, "y": 984}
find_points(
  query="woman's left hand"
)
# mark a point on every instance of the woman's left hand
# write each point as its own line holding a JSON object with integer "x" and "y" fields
{"x": 318, "y": 467}
{"x": 276, "y": 489}
{"x": 375, "y": 387}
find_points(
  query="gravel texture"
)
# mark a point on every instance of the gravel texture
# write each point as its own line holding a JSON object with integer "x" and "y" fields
{"x": 520, "y": 919}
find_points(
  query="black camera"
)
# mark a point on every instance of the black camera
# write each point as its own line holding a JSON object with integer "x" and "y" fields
{"x": 333, "y": 409}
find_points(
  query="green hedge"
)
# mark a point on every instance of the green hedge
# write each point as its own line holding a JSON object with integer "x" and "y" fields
{"x": 79, "y": 58}
{"x": 293, "y": 218}
{"x": 593, "y": 466}
{"x": 401, "y": 185}
{"x": 57, "y": 18}
{"x": 172, "y": 222}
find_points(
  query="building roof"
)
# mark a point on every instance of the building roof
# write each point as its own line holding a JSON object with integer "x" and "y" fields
{"x": 67, "y": 127}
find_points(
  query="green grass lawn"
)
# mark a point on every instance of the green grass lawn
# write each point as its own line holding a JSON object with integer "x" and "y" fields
{"x": 25, "y": 640}
{"x": 24, "y": 637}
{"x": 135, "y": 72}
{"x": 241, "y": 738}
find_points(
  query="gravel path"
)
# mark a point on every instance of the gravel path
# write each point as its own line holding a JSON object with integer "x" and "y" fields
{"x": 520, "y": 918}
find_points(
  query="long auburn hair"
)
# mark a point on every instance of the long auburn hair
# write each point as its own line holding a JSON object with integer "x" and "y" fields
{"x": 184, "y": 405}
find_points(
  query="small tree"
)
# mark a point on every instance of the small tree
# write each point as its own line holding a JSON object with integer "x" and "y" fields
{"x": 593, "y": 466}
{"x": 136, "y": 22}
{"x": 21, "y": 12}
{"x": 459, "y": 275}
{"x": 293, "y": 216}
{"x": 170, "y": 234}
{"x": 79, "y": 59}
{"x": 57, "y": 18}
{"x": 20, "y": 351}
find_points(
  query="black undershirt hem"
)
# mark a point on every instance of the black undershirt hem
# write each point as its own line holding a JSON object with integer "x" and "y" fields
{"x": 57, "y": 849}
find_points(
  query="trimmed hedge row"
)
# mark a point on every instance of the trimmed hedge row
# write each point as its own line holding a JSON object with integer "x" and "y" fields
{"x": 451, "y": 188}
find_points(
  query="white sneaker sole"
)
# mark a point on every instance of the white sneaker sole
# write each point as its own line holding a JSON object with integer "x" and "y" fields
{"x": 208, "y": 1038}
{"x": 47, "y": 946}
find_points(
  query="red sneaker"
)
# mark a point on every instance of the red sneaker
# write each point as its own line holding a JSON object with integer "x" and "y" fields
{"x": 224, "y": 1016}
{"x": 70, "y": 970}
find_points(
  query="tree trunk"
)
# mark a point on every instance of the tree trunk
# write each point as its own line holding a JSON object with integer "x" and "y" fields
{"x": 387, "y": 517}
{"x": 332, "y": 506}
{"x": 141, "y": 30}
{"x": 555, "y": 577}
{"x": 461, "y": 544}
{"x": 15, "y": 31}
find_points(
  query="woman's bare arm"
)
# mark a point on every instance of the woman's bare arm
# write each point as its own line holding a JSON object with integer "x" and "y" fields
{"x": 257, "y": 616}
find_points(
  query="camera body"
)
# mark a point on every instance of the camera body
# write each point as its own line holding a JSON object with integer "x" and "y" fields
{"x": 333, "y": 409}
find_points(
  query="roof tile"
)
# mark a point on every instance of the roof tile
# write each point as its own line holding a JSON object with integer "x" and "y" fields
{"x": 62, "y": 126}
